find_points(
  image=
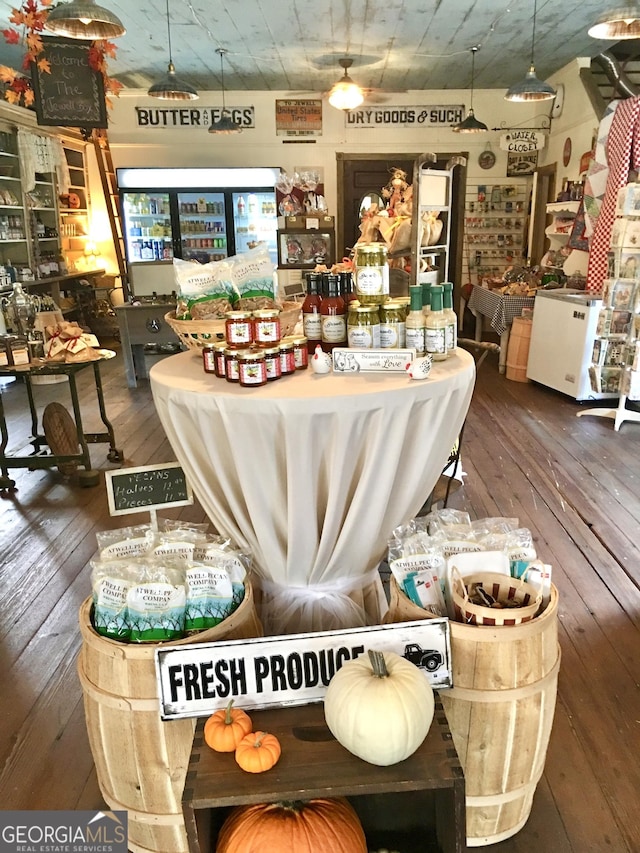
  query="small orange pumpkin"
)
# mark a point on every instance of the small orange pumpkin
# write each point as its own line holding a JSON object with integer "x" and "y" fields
{"x": 258, "y": 751}
{"x": 315, "y": 826}
{"x": 224, "y": 730}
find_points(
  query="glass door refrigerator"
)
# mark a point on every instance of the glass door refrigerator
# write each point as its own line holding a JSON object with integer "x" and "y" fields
{"x": 197, "y": 214}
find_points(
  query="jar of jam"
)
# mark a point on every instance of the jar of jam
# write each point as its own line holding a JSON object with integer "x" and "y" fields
{"x": 287, "y": 357}
{"x": 238, "y": 328}
{"x": 272, "y": 362}
{"x": 232, "y": 373}
{"x": 363, "y": 326}
{"x": 266, "y": 327}
{"x": 209, "y": 359}
{"x": 252, "y": 370}
{"x": 300, "y": 352}
{"x": 219, "y": 360}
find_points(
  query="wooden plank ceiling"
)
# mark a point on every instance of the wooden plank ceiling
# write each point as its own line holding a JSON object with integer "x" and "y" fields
{"x": 396, "y": 45}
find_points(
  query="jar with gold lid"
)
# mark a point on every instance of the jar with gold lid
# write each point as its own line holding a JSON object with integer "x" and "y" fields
{"x": 363, "y": 326}
{"x": 266, "y": 327}
{"x": 287, "y": 357}
{"x": 238, "y": 329}
{"x": 252, "y": 370}
{"x": 272, "y": 362}
{"x": 392, "y": 325}
{"x": 371, "y": 273}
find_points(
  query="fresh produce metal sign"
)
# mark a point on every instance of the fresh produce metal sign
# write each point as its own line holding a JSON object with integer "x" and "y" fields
{"x": 196, "y": 680}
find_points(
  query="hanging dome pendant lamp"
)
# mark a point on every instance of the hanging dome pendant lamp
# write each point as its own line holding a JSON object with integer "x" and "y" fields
{"x": 471, "y": 123}
{"x": 225, "y": 124}
{"x": 171, "y": 87}
{"x": 83, "y": 19}
{"x": 531, "y": 89}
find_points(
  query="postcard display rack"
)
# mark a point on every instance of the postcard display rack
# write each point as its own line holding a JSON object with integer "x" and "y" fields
{"x": 615, "y": 360}
{"x": 494, "y": 228}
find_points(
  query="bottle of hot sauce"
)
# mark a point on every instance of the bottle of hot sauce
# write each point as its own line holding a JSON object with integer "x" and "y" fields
{"x": 311, "y": 318}
{"x": 334, "y": 318}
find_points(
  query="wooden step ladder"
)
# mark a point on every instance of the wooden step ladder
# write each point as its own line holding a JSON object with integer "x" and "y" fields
{"x": 112, "y": 201}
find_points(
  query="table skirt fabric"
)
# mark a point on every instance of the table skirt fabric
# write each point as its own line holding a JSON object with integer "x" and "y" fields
{"x": 312, "y": 473}
{"x": 499, "y": 308}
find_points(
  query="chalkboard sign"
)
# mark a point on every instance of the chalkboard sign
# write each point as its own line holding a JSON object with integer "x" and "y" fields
{"x": 72, "y": 95}
{"x": 150, "y": 487}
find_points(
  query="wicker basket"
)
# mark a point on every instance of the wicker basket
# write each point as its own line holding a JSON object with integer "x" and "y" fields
{"x": 196, "y": 334}
{"x": 501, "y": 587}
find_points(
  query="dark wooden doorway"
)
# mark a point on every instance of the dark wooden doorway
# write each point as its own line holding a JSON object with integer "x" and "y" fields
{"x": 544, "y": 192}
{"x": 358, "y": 174}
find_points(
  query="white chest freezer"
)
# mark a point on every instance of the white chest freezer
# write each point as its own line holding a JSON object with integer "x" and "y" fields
{"x": 562, "y": 335}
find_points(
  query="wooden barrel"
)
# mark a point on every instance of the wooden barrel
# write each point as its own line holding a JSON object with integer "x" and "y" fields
{"x": 500, "y": 711}
{"x": 518, "y": 349}
{"x": 141, "y": 761}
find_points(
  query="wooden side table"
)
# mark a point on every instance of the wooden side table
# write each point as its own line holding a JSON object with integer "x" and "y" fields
{"x": 416, "y": 805}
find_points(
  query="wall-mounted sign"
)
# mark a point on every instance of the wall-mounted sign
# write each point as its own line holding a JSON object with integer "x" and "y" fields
{"x": 204, "y": 117}
{"x": 405, "y": 116}
{"x": 72, "y": 95}
{"x": 196, "y": 680}
{"x": 522, "y": 141}
{"x": 296, "y": 117}
{"x": 521, "y": 165}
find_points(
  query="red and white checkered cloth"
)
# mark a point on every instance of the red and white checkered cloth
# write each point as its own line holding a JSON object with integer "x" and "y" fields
{"x": 623, "y": 154}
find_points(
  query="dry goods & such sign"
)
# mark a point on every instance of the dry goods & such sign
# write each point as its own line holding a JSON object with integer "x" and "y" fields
{"x": 405, "y": 116}
{"x": 295, "y": 669}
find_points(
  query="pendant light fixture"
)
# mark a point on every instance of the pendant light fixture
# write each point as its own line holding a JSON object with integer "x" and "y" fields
{"x": 471, "y": 123}
{"x": 531, "y": 89}
{"x": 346, "y": 95}
{"x": 225, "y": 124}
{"x": 171, "y": 87}
{"x": 621, "y": 23}
{"x": 83, "y": 19}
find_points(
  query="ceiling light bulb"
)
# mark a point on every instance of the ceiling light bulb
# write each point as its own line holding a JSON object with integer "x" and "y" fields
{"x": 346, "y": 95}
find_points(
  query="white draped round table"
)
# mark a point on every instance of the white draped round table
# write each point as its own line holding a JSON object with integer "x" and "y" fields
{"x": 312, "y": 473}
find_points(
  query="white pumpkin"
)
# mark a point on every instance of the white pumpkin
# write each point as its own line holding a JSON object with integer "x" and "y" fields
{"x": 380, "y": 718}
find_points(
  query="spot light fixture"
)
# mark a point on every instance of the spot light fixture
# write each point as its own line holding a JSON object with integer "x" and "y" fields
{"x": 83, "y": 19}
{"x": 225, "y": 124}
{"x": 618, "y": 24}
{"x": 171, "y": 87}
{"x": 531, "y": 89}
{"x": 471, "y": 123}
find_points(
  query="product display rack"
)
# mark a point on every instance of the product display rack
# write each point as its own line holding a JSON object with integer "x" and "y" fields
{"x": 559, "y": 232}
{"x": 494, "y": 228}
{"x": 616, "y": 354}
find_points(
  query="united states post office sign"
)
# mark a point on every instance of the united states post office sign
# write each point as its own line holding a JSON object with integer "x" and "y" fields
{"x": 405, "y": 116}
{"x": 196, "y": 680}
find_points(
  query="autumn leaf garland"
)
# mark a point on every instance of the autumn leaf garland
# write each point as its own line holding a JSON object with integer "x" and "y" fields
{"x": 32, "y": 16}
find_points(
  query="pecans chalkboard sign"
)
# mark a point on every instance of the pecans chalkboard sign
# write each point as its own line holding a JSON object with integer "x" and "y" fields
{"x": 149, "y": 487}
{"x": 72, "y": 95}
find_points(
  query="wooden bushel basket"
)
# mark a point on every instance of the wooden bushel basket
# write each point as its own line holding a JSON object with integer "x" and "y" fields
{"x": 500, "y": 712}
{"x": 141, "y": 761}
{"x": 501, "y": 587}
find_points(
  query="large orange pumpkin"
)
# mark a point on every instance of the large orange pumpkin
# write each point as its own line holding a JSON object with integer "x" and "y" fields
{"x": 315, "y": 826}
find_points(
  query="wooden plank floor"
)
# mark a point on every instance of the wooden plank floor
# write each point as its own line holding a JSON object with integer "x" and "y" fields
{"x": 573, "y": 481}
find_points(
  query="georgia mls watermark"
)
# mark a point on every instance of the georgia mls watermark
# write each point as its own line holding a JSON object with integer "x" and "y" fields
{"x": 63, "y": 832}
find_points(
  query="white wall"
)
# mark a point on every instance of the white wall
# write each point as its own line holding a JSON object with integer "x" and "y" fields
{"x": 259, "y": 146}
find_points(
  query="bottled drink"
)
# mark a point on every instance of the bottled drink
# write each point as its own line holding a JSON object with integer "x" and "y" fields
{"x": 426, "y": 297}
{"x": 21, "y": 310}
{"x": 311, "y": 317}
{"x": 414, "y": 323}
{"x": 241, "y": 206}
{"x": 436, "y": 326}
{"x": 452, "y": 317}
{"x": 346, "y": 288}
{"x": 333, "y": 317}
